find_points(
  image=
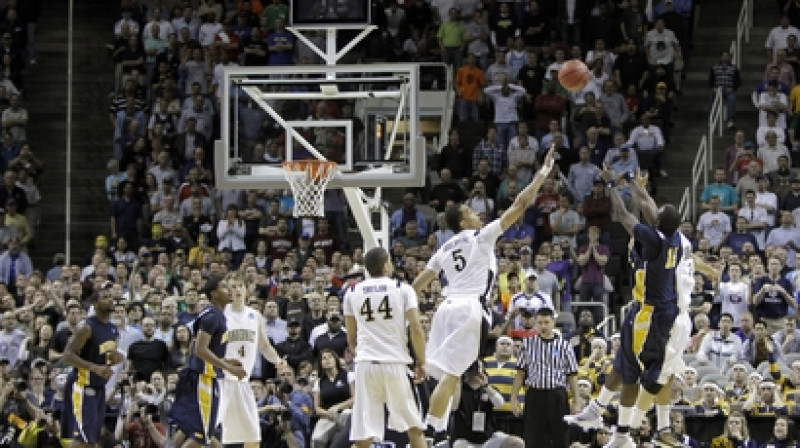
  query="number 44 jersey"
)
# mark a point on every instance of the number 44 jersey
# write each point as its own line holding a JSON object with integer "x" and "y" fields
{"x": 379, "y": 307}
{"x": 242, "y": 338}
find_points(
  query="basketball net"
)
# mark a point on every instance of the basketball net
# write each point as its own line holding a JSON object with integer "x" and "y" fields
{"x": 308, "y": 179}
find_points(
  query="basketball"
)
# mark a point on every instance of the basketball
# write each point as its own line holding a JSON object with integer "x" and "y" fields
{"x": 573, "y": 75}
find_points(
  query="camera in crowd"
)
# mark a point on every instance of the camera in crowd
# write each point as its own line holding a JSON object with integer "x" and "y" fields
{"x": 150, "y": 410}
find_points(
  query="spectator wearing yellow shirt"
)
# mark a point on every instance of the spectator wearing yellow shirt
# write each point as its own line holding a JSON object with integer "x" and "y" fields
{"x": 501, "y": 368}
{"x": 452, "y": 39}
{"x": 17, "y": 221}
{"x": 736, "y": 390}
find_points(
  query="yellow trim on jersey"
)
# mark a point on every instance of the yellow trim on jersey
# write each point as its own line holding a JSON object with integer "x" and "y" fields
{"x": 205, "y": 389}
{"x": 507, "y": 373}
{"x": 77, "y": 408}
{"x": 641, "y": 328}
{"x": 83, "y": 377}
{"x": 639, "y": 285}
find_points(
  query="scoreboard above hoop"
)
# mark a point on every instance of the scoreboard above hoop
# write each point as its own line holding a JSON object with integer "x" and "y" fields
{"x": 336, "y": 13}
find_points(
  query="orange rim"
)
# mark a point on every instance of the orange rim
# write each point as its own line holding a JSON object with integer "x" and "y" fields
{"x": 316, "y": 170}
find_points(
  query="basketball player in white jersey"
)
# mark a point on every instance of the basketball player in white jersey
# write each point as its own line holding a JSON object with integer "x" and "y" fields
{"x": 377, "y": 312}
{"x": 247, "y": 336}
{"x": 470, "y": 267}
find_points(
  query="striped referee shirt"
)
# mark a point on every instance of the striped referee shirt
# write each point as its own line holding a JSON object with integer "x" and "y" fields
{"x": 547, "y": 362}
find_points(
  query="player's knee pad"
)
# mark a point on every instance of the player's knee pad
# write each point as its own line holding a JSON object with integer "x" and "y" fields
{"x": 652, "y": 386}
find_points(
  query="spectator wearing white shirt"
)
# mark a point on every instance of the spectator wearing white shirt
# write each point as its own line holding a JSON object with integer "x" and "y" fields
{"x": 756, "y": 217}
{"x": 714, "y": 225}
{"x": 734, "y": 295}
{"x": 770, "y": 152}
{"x": 767, "y": 200}
{"x": 772, "y": 125}
{"x": 772, "y": 100}
{"x": 776, "y": 40}
{"x": 648, "y": 140}
{"x": 506, "y": 98}
{"x": 720, "y": 348}
{"x": 230, "y": 233}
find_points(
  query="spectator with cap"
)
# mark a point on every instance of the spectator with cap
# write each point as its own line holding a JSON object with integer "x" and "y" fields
{"x": 294, "y": 349}
{"x": 329, "y": 335}
{"x": 532, "y": 298}
{"x": 408, "y": 212}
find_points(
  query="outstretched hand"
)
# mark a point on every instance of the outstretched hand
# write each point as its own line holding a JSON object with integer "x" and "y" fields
{"x": 642, "y": 178}
{"x": 549, "y": 159}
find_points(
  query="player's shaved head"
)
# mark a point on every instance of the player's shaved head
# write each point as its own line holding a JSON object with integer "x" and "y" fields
{"x": 453, "y": 216}
{"x": 375, "y": 261}
{"x": 668, "y": 219}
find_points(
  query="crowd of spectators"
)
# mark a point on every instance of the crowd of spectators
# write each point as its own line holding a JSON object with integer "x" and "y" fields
{"x": 170, "y": 228}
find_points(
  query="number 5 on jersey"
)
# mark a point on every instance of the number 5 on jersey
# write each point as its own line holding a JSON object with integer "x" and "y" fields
{"x": 383, "y": 307}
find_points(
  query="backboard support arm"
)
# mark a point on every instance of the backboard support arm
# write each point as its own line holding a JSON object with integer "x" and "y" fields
{"x": 361, "y": 205}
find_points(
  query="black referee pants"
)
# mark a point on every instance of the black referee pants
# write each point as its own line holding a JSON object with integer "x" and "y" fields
{"x": 544, "y": 418}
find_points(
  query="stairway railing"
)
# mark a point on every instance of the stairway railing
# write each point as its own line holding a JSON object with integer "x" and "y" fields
{"x": 704, "y": 159}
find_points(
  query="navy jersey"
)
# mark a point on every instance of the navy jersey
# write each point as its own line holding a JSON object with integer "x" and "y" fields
{"x": 211, "y": 321}
{"x": 661, "y": 255}
{"x": 97, "y": 350}
{"x": 773, "y": 305}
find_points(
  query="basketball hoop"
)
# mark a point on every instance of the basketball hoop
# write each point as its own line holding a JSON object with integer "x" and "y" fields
{"x": 308, "y": 179}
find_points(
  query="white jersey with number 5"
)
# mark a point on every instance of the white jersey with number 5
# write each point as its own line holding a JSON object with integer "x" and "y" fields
{"x": 379, "y": 307}
{"x": 242, "y": 338}
{"x": 468, "y": 261}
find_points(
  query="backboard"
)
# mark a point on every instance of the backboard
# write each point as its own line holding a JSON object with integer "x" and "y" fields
{"x": 364, "y": 117}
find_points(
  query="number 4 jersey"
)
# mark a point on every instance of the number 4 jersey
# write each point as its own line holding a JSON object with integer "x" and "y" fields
{"x": 242, "y": 338}
{"x": 379, "y": 307}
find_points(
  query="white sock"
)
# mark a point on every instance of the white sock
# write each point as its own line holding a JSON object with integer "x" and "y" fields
{"x": 662, "y": 416}
{"x": 435, "y": 422}
{"x": 637, "y": 415}
{"x": 624, "y": 416}
{"x": 604, "y": 397}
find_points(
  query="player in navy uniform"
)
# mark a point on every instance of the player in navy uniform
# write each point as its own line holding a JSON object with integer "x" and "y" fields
{"x": 91, "y": 351}
{"x": 197, "y": 393}
{"x": 653, "y": 336}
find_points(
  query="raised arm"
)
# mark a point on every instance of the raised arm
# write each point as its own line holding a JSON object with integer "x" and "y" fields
{"x": 526, "y": 197}
{"x": 625, "y": 217}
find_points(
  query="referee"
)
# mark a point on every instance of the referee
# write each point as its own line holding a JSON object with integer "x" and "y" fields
{"x": 546, "y": 364}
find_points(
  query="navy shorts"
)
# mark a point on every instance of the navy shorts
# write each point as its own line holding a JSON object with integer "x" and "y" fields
{"x": 196, "y": 404}
{"x": 84, "y": 413}
{"x": 651, "y": 333}
{"x": 626, "y": 364}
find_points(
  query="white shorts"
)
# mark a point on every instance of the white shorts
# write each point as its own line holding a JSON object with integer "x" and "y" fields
{"x": 376, "y": 385}
{"x": 238, "y": 414}
{"x": 679, "y": 340}
{"x": 455, "y": 338}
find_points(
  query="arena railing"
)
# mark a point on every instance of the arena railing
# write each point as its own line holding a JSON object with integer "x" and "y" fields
{"x": 716, "y": 118}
